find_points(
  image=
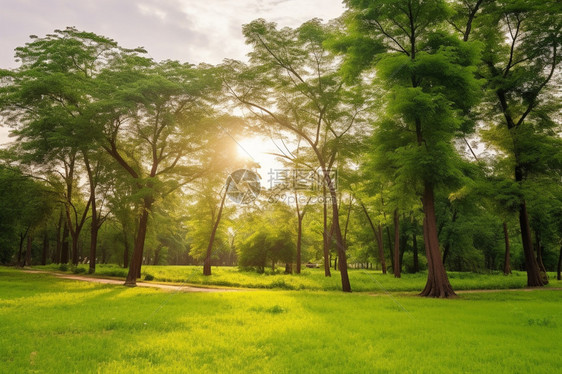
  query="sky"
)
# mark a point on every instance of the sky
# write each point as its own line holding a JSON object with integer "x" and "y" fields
{"x": 186, "y": 30}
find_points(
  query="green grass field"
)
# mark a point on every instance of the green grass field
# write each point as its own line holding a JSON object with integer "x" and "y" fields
{"x": 51, "y": 325}
{"x": 314, "y": 279}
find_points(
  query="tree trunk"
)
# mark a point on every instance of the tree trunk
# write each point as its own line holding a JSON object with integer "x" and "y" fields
{"x": 415, "y": 247}
{"x": 342, "y": 259}
{"x": 57, "y": 253}
{"x": 507, "y": 258}
{"x": 326, "y": 246}
{"x": 125, "y": 250}
{"x": 539, "y": 253}
{"x": 27, "y": 260}
{"x": 136, "y": 261}
{"x": 299, "y": 245}
{"x": 534, "y": 278}
{"x": 65, "y": 247}
{"x": 207, "y": 264}
{"x": 45, "y": 252}
{"x": 396, "y": 262}
{"x": 558, "y": 275}
{"x": 75, "y": 249}
{"x": 378, "y": 238}
{"x": 20, "y": 251}
{"x": 93, "y": 235}
{"x": 288, "y": 268}
{"x": 437, "y": 281}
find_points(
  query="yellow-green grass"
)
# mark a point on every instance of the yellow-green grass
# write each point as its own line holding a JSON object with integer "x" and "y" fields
{"x": 314, "y": 279}
{"x": 52, "y": 325}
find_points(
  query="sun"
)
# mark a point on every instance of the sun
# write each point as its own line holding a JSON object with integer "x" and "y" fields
{"x": 259, "y": 150}
{"x": 254, "y": 148}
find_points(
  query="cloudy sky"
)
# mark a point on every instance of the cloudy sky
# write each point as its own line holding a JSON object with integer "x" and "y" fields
{"x": 187, "y": 30}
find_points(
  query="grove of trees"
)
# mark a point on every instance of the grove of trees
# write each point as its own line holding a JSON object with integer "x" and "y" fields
{"x": 429, "y": 124}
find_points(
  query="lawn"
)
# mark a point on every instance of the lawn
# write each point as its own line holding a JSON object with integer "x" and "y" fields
{"x": 314, "y": 279}
{"x": 51, "y": 325}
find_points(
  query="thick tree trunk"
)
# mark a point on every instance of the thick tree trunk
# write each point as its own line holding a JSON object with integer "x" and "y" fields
{"x": 136, "y": 261}
{"x": 390, "y": 247}
{"x": 288, "y": 268}
{"x": 207, "y": 264}
{"x": 396, "y": 262}
{"x": 507, "y": 257}
{"x": 534, "y": 278}
{"x": 45, "y": 252}
{"x": 27, "y": 260}
{"x": 437, "y": 281}
{"x": 325, "y": 243}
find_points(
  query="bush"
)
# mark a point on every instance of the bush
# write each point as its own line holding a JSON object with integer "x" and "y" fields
{"x": 78, "y": 270}
{"x": 148, "y": 277}
{"x": 63, "y": 267}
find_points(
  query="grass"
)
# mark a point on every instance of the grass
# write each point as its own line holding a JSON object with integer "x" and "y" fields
{"x": 314, "y": 279}
{"x": 51, "y": 325}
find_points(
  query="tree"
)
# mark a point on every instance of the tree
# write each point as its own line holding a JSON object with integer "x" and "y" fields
{"x": 522, "y": 51}
{"x": 152, "y": 120}
{"x": 429, "y": 77}
{"x": 293, "y": 84}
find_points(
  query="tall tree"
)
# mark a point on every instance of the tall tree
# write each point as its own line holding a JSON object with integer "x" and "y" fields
{"x": 293, "y": 84}
{"x": 429, "y": 76}
{"x": 153, "y": 119}
{"x": 522, "y": 52}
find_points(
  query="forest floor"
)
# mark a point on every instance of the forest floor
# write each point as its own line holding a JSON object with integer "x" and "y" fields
{"x": 53, "y": 325}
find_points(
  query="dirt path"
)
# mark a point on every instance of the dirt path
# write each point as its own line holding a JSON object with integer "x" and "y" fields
{"x": 526, "y": 289}
{"x": 169, "y": 287}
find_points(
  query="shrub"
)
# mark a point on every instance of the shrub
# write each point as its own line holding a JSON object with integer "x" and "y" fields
{"x": 63, "y": 267}
{"x": 78, "y": 270}
{"x": 148, "y": 277}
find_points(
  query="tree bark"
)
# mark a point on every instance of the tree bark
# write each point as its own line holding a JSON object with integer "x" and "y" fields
{"x": 507, "y": 257}
{"x": 534, "y": 278}
{"x": 207, "y": 264}
{"x": 396, "y": 263}
{"x": 437, "y": 281}
{"x": 136, "y": 261}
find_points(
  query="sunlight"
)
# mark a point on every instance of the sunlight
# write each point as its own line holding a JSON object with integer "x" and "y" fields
{"x": 256, "y": 149}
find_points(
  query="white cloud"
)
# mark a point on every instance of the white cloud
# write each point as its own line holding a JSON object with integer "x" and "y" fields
{"x": 186, "y": 30}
